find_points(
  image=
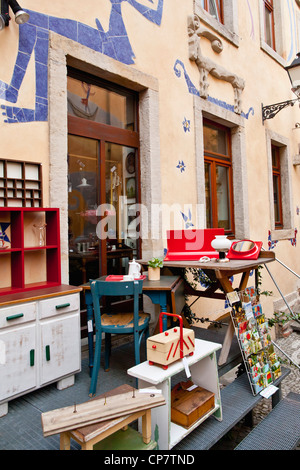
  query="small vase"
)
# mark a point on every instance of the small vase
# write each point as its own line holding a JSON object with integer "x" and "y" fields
{"x": 41, "y": 233}
{"x": 221, "y": 243}
{"x": 153, "y": 274}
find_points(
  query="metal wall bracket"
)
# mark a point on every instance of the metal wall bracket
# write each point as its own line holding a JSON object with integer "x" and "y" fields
{"x": 268, "y": 112}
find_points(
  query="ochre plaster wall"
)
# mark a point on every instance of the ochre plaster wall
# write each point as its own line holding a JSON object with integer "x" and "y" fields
{"x": 157, "y": 48}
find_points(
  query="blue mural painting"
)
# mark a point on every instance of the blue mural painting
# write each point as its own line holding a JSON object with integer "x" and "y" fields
{"x": 193, "y": 90}
{"x": 34, "y": 38}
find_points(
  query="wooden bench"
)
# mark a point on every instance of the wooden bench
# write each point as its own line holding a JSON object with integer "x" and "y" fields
{"x": 237, "y": 403}
{"x": 279, "y": 430}
{"x": 89, "y": 437}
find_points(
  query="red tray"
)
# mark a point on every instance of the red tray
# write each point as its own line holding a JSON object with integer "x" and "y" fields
{"x": 119, "y": 277}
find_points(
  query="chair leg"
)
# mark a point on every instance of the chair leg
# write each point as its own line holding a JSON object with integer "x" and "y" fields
{"x": 137, "y": 347}
{"x": 146, "y": 337}
{"x": 96, "y": 365}
{"x": 107, "y": 351}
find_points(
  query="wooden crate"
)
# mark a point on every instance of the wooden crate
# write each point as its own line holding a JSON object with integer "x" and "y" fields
{"x": 164, "y": 348}
{"x": 189, "y": 404}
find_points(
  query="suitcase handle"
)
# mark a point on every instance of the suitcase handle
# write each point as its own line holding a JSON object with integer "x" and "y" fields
{"x": 180, "y": 326}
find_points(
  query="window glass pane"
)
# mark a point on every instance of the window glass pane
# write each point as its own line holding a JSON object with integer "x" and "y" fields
{"x": 214, "y": 9}
{"x": 208, "y": 195}
{"x": 121, "y": 197}
{"x": 269, "y": 19}
{"x": 82, "y": 204}
{"x": 275, "y": 157}
{"x": 276, "y": 190}
{"x": 223, "y": 197}
{"x": 89, "y": 101}
{"x": 215, "y": 140}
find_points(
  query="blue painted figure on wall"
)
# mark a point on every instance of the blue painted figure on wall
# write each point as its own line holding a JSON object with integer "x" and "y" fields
{"x": 34, "y": 37}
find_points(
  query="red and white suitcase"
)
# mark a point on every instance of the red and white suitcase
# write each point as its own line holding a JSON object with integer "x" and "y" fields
{"x": 169, "y": 346}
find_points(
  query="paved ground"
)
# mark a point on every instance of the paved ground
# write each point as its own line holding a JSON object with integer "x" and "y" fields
{"x": 21, "y": 428}
{"x": 291, "y": 346}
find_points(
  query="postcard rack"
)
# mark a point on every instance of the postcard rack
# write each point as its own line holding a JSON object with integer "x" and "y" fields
{"x": 252, "y": 331}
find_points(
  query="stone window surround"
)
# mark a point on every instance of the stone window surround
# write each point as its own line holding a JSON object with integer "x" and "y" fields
{"x": 228, "y": 30}
{"x": 279, "y": 28}
{"x": 64, "y": 52}
{"x": 288, "y": 231}
{"x": 205, "y": 109}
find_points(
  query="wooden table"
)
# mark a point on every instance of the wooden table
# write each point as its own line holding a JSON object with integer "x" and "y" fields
{"x": 157, "y": 291}
{"x": 220, "y": 273}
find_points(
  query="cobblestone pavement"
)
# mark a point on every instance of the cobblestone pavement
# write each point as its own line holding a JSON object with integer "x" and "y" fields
{"x": 290, "y": 346}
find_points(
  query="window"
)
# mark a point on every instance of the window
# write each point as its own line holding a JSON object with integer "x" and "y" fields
{"x": 280, "y": 186}
{"x": 277, "y": 187}
{"x": 214, "y": 8}
{"x": 269, "y": 23}
{"x": 218, "y": 177}
{"x": 102, "y": 177}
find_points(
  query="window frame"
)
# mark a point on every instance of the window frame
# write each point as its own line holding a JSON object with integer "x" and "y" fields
{"x": 104, "y": 133}
{"x": 220, "y": 9}
{"x": 230, "y": 26}
{"x": 276, "y": 172}
{"x": 282, "y": 143}
{"x": 277, "y": 54}
{"x": 269, "y": 8}
{"x": 215, "y": 159}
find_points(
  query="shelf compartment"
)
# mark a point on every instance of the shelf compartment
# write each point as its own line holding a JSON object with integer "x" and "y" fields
{"x": 30, "y": 266}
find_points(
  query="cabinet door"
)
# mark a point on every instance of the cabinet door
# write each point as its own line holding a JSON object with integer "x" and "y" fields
{"x": 17, "y": 360}
{"x": 60, "y": 347}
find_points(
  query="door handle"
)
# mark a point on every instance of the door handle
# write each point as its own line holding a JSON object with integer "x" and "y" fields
{"x": 31, "y": 357}
{"x": 47, "y": 349}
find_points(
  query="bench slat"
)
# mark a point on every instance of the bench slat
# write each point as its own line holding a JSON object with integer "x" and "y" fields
{"x": 280, "y": 430}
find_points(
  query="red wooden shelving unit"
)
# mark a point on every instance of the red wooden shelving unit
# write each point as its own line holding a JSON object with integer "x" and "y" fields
{"x": 31, "y": 266}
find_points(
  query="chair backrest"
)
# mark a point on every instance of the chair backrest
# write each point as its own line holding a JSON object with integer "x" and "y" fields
{"x": 106, "y": 288}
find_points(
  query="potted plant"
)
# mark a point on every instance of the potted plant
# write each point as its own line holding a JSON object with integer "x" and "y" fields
{"x": 154, "y": 266}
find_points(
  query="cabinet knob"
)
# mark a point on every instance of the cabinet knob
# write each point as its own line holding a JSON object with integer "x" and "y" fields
{"x": 14, "y": 317}
{"x": 47, "y": 350}
{"x": 153, "y": 346}
{"x": 31, "y": 357}
{"x": 62, "y": 306}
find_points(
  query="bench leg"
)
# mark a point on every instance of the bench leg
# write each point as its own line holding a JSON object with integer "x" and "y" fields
{"x": 146, "y": 427}
{"x": 65, "y": 441}
{"x": 249, "y": 419}
{"x": 87, "y": 445}
{"x": 277, "y": 396}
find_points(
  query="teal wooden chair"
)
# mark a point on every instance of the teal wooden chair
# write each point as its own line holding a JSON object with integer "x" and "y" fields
{"x": 135, "y": 323}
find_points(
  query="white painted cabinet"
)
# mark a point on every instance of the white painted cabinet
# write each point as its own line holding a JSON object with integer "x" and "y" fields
{"x": 17, "y": 361}
{"x": 39, "y": 341}
{"x": 204, "y": 373}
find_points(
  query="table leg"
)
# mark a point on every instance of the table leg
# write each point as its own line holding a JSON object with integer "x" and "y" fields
{"x": 146, "y": 426}
{"x": 65, "y": 441}
{"x": 226, "y": 284}
{"x": 226, "y": 344}
{"x": 161, "y": 299}
{"x": 227, "y": 287}
{"x": 90, "y": 318}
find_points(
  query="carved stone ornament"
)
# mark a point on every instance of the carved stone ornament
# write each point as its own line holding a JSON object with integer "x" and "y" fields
{"x": 207, "y": 66}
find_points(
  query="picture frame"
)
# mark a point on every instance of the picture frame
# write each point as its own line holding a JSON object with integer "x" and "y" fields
{"x": 130, "y": 187}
